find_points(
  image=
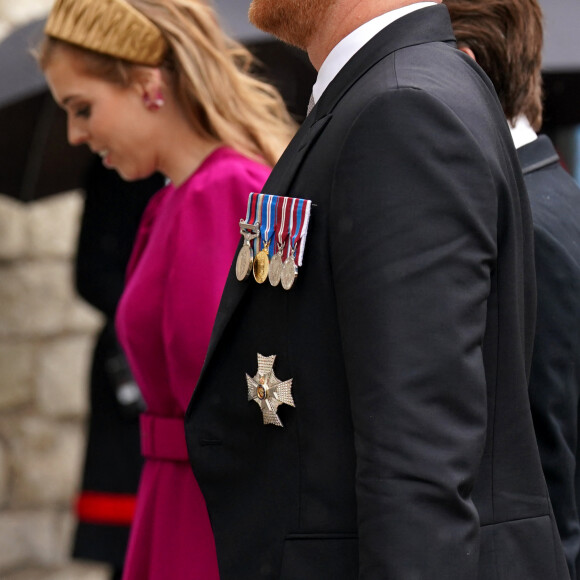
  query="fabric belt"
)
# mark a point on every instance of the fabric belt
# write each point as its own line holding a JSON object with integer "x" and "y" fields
{"x": 163, "y": 438}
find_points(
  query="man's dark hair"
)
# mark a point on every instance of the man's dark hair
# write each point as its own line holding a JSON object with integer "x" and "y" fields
{"x": 506, "y": 37}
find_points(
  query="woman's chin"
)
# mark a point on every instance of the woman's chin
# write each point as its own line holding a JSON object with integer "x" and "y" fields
{"x": 133, "y": 175}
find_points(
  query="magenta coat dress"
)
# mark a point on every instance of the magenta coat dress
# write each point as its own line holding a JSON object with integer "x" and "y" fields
{"x": 182, "y": 255}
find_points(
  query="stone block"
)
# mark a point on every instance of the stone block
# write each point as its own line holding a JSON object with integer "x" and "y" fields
{"x": 62, "y": 375}
{"x": 82, "y": 317}
{"x": 13, "y": 222}
{"x": 4, "y": 30}
{"x": 16, "y": 372}
{"x": 4, "y": 475}
{"x": 72, "y": 571}
{"x": 46, "y": 460}
{"x": 64, "y": 530}
{"x": 54, "y": 225}
{"x": 28, "y": 538}
{"x": 34, "y": 298}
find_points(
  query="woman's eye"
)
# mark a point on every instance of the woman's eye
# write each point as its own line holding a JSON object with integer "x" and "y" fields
{"x": 83, "y": 112}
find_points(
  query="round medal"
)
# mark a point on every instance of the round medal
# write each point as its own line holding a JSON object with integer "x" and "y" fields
{"x": 289, "y": 273}
{"x": 275, "y": 272}
{"x": 244, "y": 262}
{"x": 261, "y": 266}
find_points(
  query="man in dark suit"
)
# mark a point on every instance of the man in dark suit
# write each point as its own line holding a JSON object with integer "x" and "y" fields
{"x": 406, "y": 450}
{"x": 505, "y": 37}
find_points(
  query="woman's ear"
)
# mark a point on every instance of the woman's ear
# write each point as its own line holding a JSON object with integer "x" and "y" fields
{"x": 150, "y": 85}
{"x": 467, "y": 51}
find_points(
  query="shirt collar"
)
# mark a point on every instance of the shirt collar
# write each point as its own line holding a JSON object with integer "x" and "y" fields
{"x": 522, "y": 132}
{"x": 352, "y": 43}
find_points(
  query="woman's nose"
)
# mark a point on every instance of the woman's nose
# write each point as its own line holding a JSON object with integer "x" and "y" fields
{"x": 77, "y": 135}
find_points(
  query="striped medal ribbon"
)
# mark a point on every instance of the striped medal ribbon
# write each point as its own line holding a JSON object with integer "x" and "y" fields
{"x": 267, "y": 209}
{"x": 297, "y": 230}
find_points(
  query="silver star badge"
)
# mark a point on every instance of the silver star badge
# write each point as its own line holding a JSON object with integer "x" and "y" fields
{"x": 268, "y": 391}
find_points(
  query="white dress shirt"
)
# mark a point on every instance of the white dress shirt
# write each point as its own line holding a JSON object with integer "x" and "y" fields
{"x": 522, "y": 132}
{"x": 352, "y": 43}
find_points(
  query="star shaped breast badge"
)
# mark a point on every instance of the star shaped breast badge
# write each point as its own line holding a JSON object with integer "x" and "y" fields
{"x": 268, "y": 391}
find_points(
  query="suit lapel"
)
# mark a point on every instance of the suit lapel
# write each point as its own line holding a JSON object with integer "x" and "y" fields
{"x": 282, "y": 175}
{"x": 425, "y": 25}
{"x": 278, "y": 183}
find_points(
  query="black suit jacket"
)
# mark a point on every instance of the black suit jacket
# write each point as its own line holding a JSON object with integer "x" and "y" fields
{"x": 410, "y": 453}
{"x": 555, "y": 378}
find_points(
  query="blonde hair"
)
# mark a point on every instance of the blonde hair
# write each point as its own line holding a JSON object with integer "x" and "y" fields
{"x": 209, "y": 73}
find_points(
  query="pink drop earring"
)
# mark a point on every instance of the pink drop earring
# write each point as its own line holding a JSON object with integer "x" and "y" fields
{"x": 156, "y": 103}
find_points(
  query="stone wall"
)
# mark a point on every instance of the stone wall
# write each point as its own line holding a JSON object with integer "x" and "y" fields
{"x": 46, "y": 336}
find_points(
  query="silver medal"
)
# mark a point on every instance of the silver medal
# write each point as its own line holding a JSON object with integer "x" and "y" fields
{"x": 275, "y": 272}
{"x": 245, "y": 260}
{"x": 289, "y": 272}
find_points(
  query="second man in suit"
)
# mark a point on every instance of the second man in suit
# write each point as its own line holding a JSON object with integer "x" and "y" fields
{"x": 505, "y": 37}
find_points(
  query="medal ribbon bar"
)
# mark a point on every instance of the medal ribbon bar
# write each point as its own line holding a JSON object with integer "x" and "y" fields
{"x": 291, "y": 227}
{"x": 298, "y": 228}
{"x": 304, "y": 220}
{"x": 281, "y": 232}
{"x": 267, "y": 230}
{"x": 281, "y": 225}
{"x": 258, "y": 240}
{"x": 251, "y": 211}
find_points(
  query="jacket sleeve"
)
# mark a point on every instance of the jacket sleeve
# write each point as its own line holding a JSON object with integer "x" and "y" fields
{"x": 411, "y": 290}
{"x": 99, "y": 269}
{"x": 111, "y": 215}
{"x": 555, "y": 383}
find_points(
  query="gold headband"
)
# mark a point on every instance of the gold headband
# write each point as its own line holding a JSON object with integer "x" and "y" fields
{"x": 111, "y": 27}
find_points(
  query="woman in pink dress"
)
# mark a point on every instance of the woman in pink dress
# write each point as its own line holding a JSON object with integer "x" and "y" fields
{"x": 157, "y": 86}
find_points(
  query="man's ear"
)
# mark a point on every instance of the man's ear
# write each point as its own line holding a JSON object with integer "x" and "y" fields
{"x": 467, "y": 51}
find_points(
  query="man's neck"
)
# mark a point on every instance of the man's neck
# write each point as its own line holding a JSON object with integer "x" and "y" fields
{"x": 343, "y": 17}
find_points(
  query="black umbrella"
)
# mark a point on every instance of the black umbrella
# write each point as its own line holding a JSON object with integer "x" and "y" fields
{"x": 36, "y": 159}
